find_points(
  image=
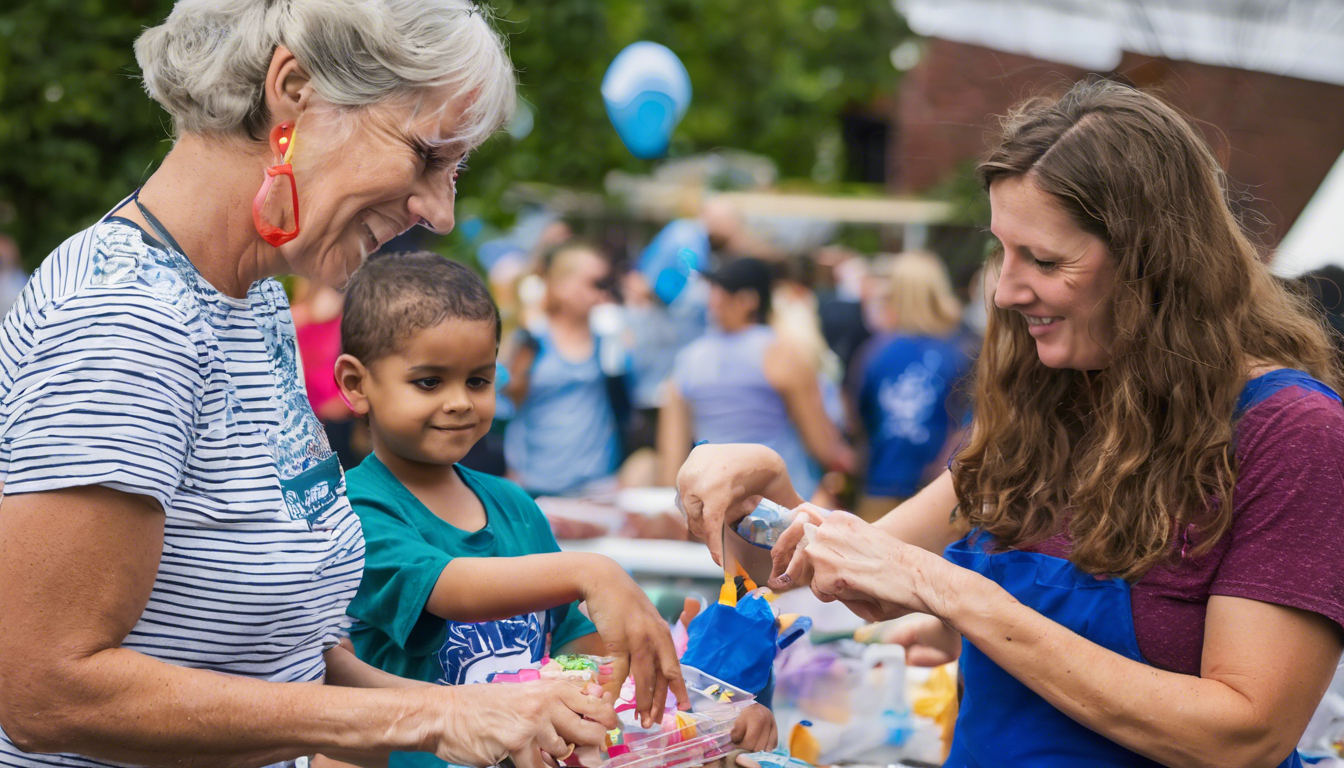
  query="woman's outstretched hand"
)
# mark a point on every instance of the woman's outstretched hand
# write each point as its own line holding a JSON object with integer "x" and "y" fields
{"x": 721, "y": 484}
{"x": 782, "y": 577}
{"x": 874, "y": 574}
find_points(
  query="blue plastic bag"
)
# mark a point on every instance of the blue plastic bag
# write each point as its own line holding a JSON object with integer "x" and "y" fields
{"x": 736, "y": 644}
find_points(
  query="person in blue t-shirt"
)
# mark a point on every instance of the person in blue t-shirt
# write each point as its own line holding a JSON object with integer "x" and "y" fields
{"x": 462, "y": 574}
{"x": 565, "y": 439}
{"x": 906, "y": 380}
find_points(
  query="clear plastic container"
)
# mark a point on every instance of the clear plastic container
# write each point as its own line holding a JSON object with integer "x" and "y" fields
{"x": 715, "y": 706}
{"x": 686, "y": 754}
{"x": 708, "y": 691}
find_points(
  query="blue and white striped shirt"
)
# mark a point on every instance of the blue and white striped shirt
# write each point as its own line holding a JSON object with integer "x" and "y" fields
{"x": 121, "y": 366}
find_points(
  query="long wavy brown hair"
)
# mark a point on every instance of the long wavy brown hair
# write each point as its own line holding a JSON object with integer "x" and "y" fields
{"x": 1124, "y": 458}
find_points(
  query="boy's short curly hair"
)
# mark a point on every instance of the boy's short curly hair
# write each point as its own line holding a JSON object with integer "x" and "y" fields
{"x": 394, "y": 295}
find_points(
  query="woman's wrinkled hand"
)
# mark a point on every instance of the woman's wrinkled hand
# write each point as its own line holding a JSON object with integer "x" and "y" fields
{"x": 721, "y": 484}
{"x": 874, "y": 574}
{"x": 782, "y": 554}
{"x": 534, "y": 724}
{"x": 632, "y": 628}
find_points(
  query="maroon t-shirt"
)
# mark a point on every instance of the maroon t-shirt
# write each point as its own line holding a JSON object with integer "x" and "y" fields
{"x": 1286, "y": 545}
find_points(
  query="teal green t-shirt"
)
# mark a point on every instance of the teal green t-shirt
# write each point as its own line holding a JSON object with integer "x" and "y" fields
{"x": 407, "y": 548}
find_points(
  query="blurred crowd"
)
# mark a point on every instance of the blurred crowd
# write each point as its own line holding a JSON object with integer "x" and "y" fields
{"x": 852, "y": 366}
{"x": 849, "y": 365}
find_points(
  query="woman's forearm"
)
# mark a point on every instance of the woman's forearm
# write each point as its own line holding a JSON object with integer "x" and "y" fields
{"x": 821, "y": 437}
{"x": 78, "y": 567}
{"x": 1175, "y": 719}
{"x": 124, "y": 706}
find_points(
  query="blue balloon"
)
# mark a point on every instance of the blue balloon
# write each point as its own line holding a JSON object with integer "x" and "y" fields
{"x": 647, "y": 91}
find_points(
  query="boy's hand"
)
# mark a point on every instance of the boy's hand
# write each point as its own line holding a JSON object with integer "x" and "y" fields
{"x": 630, "y": 626}
{"x": 755, "y": 730}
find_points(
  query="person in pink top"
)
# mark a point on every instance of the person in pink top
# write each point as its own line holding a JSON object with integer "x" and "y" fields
{"x": 317, "y": 329}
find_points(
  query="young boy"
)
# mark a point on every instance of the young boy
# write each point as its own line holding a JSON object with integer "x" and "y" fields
{"x": 462, "y": 575}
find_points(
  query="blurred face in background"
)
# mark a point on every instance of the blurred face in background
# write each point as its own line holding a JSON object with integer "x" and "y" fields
{"x": 578, "y": 282}
{"x": 636, "y": 290}
{"x": 874, "y": 294}
{"x": 732, "y": 311}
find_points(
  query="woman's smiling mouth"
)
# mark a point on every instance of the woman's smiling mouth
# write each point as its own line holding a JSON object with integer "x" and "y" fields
{"x": 1037, "y": 326}
{"x": 372, "y": 238}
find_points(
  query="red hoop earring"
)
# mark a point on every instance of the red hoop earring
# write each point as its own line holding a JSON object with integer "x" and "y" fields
{"x": 282, "y": 144}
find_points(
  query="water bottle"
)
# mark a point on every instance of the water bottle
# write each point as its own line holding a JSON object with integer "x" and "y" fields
{"x": 766, "y": 523}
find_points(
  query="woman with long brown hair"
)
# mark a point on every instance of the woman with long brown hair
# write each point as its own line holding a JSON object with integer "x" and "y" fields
{"x": 1142, "y": 534}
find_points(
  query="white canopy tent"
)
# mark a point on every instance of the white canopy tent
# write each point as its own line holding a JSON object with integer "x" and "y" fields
{"x": 1294, "y": 38}
{"x": 1317, "y": 237}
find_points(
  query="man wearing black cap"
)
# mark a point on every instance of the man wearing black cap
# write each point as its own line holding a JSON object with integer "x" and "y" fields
{"x": 740, "y": 383}
{"x": 744, "y": 283}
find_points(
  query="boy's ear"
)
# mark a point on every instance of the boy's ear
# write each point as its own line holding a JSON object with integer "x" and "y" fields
{"x": 351, "y": 377}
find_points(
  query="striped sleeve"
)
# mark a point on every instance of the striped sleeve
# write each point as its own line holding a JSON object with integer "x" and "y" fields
{"x": 107, "y": 395}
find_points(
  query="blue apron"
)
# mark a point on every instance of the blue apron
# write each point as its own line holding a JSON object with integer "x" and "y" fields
{"x": 1003, "y": 722}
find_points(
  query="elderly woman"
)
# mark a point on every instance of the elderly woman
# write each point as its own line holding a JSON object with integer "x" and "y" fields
{"x": 1142, "y": 534}
{"x": 176, "y": 548}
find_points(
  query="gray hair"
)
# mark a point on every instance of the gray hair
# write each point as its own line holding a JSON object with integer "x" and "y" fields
{"x": 206, "y": 63}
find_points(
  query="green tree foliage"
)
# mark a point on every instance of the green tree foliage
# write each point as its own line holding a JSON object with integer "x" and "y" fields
{"x": 77, "y": 133}
{"x": 767, "y": 76}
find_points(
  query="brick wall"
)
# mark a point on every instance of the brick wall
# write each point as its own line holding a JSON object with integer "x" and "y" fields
{"x": 1277, "y": 136}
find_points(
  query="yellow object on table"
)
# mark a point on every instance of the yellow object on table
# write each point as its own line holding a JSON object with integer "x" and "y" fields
{"x": 685, "y": 725}
{"x": 728, "y": 592}
{"x": 803, "y": 745}
{"x": 936, "y": 698}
